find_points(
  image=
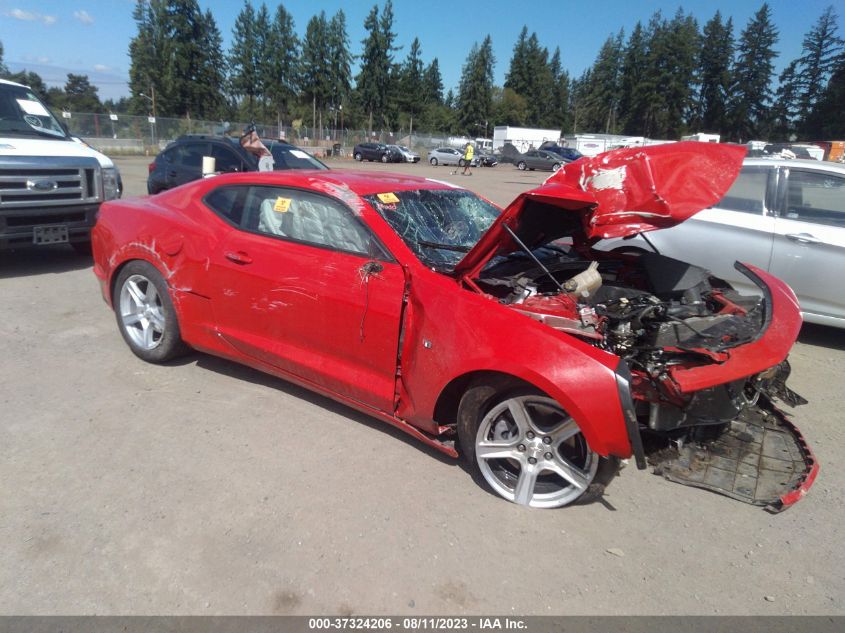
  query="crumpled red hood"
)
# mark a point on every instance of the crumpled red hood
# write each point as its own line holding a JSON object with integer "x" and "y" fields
{"x": 618, "y": 193}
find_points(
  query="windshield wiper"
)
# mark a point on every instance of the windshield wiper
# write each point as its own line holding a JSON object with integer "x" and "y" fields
{"x": 445, "y": 247}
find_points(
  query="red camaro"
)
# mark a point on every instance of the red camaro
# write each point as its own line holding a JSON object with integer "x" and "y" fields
{"x": 501, "y": 335}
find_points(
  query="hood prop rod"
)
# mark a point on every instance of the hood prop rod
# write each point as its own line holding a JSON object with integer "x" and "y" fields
{"x": 532, "y": 256}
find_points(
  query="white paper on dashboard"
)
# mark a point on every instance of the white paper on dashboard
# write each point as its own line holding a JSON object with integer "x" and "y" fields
{"x": 32, "y": 107}
{"x": 299, "y": 153}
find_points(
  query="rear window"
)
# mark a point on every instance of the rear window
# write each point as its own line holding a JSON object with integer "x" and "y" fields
{"x": 288, "y": 157}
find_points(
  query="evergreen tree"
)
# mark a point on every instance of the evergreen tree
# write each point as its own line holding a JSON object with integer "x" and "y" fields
{"x": 518, "y": 77}
{"x": 715, "y": 68}
{"x": 785, "y": 110}
{"x": 829, "y": 111}
{"x": 433, "y": 83}
{"x": 80, "y": 95}
{"x": 4, "y": 70}
{"x": 340, "y": 60}
{"x": 282, "y": 63}
{"x": 560, "y": 115}
{"x": 475, "y": 93}
{"x": 633, "y": 74}
{"x": 412, "y": 89}
{"x": 244, "y": 62}
{"x": 315, "y": 64}
{"x": 208, "y": 96}
{"x": 509, "y": 108}
{"x": 752, "y": 73}
{"x": 373, "y": 82}
{"x": 148, "y": 53}
{"x": 822, "y": 48}
{"x": 683, "y": 49}
{"x": 601, "y": 94}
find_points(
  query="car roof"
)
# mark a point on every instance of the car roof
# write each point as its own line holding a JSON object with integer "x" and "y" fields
{"x": 362, "y": 183}
{"x": 820, "y": 165}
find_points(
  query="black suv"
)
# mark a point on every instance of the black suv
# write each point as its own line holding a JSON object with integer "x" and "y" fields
{"x": 181, "y": 161}
{"x": 376, "y": 151}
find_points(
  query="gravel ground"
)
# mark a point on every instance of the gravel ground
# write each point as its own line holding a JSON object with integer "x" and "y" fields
{"x": 204, "y": 487}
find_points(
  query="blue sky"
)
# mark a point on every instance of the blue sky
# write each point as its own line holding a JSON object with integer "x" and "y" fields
{"x": 54, "y": 37}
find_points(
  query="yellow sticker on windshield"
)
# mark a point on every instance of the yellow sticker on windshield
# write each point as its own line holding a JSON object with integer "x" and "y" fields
{"x": 282, "y": 205}
{"x": 388, "y": 198}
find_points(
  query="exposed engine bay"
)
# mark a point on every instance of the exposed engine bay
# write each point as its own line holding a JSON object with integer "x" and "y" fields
{"x": 657, "y": 313}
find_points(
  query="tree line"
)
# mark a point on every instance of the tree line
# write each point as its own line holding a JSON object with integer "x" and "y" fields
{"x": 667, "y": 78}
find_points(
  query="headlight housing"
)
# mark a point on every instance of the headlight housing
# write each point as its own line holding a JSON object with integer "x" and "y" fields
{"x": 111, "y": 186}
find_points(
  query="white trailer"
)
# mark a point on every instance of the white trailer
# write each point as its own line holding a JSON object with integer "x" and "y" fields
{"x": 702, "y": 137}
{"x": 587, "y": 144}
{"x": 523, "y": 138}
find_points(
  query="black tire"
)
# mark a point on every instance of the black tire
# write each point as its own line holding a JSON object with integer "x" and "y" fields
{"x": 384, "y": 158}
{"x": 82, "y": 248}
{"x": 169, "y": 345}
{"x": 433, "y": 162}
{"x": 521, "y": 165}
{"x": 358, "y": 157}
{"x": 483, "y": 396}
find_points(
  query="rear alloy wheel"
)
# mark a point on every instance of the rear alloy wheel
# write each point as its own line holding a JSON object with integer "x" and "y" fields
{"x": 529, "y": 450}
{"x": 433, "y": 162}
{"x": 145, "y": 314}
{"x": 556, "y": 166}
{"x": 521, "y": 165}
{"x": 358, "y": 157}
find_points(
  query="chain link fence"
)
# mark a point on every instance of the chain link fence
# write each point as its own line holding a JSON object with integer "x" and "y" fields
{"x": 124, "y": 134}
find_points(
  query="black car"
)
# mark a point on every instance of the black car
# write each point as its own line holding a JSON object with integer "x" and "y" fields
{"x": 181, "y": 161}
{"x": 376, "y": 151}
{"x": 568, "y": 154}
{"x": 487, "y": 159}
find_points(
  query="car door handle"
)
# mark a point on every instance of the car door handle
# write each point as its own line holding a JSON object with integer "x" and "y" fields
{"x": 803, "y": 238}
{"x": 239, "y": 257}
{"x": 172, "y": 174}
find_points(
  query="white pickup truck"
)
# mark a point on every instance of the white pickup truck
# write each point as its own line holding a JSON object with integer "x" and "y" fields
{"x": 51, "y": 185}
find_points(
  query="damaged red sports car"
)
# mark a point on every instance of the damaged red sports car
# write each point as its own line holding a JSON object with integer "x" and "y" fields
{"x": 500, "y": 335}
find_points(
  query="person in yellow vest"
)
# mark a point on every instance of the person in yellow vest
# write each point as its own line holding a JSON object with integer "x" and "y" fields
{"x": 469, "y": 152}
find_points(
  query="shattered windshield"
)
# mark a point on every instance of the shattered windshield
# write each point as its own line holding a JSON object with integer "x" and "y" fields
{"x": 22, "y": 113}
{"x": 439, "y": 225}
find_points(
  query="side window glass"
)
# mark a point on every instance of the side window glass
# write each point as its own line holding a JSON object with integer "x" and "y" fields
{"x": 225, "y": 159}
{"x": 227, "y": 202}
{"x": 189, "y": 155}
{"x": 748, "y": 193}
{"x": 816, "y": 197}
{"x": 306, "y": 217}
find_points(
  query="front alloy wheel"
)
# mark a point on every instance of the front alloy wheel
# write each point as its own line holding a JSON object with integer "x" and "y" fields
{"x": 529, "y": 450}
{"x": 145, "y": 313}
{"x": 521, "y": 165}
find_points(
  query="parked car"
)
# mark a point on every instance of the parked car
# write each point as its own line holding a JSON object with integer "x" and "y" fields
{"x": 486, "y": 159}
{"x": 376, "y": 151}
{"x": 499, "y": 335}
{"x": 568, "y": 154}
{"x": 539, "y": 159}
{"x": 407, "y": 155}
{"x": 449, "y": 156}
{"x": 181, "y": 160}
{"x": 785, "y": 216}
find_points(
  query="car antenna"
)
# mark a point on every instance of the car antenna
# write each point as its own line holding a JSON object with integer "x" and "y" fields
{"x": 532, "y": 256}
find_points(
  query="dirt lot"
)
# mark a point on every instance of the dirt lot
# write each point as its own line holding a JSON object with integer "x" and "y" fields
{"x": 205, "y": 487}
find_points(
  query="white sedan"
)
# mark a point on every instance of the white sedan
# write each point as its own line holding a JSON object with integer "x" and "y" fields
{"x": 785, "y": 216}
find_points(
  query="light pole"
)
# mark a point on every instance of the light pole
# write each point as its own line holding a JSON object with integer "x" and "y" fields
{"x": 152, "y": 101}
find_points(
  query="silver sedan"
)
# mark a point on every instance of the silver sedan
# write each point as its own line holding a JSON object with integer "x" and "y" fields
{"x": 784, "y": 216}
{"x": 447, "y": 156}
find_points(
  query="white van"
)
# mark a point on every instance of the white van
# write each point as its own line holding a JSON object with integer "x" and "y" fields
{"x": 51, "y": 185}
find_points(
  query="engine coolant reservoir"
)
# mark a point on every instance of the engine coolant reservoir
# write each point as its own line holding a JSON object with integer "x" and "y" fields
{"x": 585, "y": 283}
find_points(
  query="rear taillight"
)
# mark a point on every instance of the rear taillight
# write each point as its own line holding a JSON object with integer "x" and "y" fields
{"x": 151, "y": 167}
